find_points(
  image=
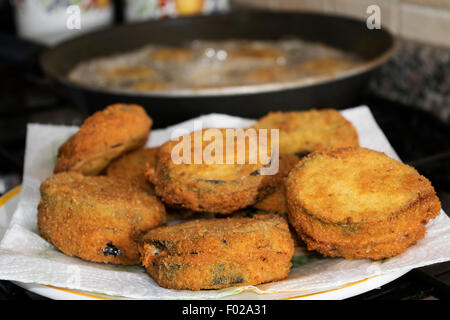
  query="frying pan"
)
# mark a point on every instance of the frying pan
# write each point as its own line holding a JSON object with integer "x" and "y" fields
{"x": 373, "y": 46}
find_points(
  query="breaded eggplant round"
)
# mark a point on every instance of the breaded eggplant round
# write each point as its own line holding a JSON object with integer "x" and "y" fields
{"x": 213, "y": 187}
{"x": 358, "y": 203}
{"x": 218, "y": 253}
{"x": 102, "y": 137}
{"x": 96, "y": 218}
{"x": 302, "y": 132}
{"x": 252, "y": 211}
{"x": 132, "y": 166}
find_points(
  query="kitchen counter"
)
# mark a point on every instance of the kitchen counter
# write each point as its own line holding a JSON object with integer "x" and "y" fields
{"x": 418, "y": 75}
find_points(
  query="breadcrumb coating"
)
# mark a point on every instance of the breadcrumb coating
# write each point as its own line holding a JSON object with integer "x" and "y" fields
{"x": 215, "y": 187}
{"x": 132, "y": 166}
{"x": 218, "y": 253}
{"x": 102, "y": 137}
{"x": 358, "y": 203}
{"x": 96, "y": 218}
{"x": 307, "y": 131}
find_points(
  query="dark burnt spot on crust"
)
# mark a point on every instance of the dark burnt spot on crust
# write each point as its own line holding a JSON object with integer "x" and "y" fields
{"x": 116, "y": 145}
{"x": 110, "y": 250}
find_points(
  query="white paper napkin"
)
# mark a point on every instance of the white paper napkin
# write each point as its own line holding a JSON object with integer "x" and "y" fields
{"x": 26, "y": 257}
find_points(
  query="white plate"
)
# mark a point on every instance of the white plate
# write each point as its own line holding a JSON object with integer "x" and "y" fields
{"x": 8, "y": 204}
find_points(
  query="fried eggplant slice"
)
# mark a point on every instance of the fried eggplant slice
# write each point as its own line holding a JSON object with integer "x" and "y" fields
{"x": 218, "y": 253}
{"x": 358, "y": 203}
{"x": 96, "y": 218}
{"x": 102, "y": 137}
{"x": 306, "y": 131}
{"x": 216, "y": 187}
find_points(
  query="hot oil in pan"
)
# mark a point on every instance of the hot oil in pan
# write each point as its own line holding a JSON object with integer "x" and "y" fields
{"x": 202, "y": 65}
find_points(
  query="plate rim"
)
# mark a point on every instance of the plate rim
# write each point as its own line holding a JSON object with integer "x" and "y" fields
{"x": 341, "y": 292}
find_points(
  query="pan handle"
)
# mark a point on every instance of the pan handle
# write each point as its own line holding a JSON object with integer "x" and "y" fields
{"x": 21, "y": 53}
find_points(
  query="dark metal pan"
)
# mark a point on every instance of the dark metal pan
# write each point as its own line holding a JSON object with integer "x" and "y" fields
{"x": 374, "y": 46}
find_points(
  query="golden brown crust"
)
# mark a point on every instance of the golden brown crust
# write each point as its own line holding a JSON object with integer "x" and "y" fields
{"x": 217, "y": 188}
{"x": 85, "y": 216}
{"x": 103, "y": 137}
{"x": 132, "y": 166}
{"x": 198, "y": 272}
{"x": 357, "y": 235}
{"x": 358, "y": 203}
{"x": 353, "y": 185}
{"x": 208, "y": 235}
{"x": 274, "y": 202}
{"x": 373, "y": 251}
{"x": 306, "y": 131}
{"x": 251, "y": 212}
{"x": 218, "y": 253}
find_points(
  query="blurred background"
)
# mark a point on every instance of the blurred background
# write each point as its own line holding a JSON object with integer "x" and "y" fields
{"x": 405, "y": 82}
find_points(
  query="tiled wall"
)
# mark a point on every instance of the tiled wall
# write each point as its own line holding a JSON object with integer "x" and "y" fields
{"x": 426, "y": 21}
